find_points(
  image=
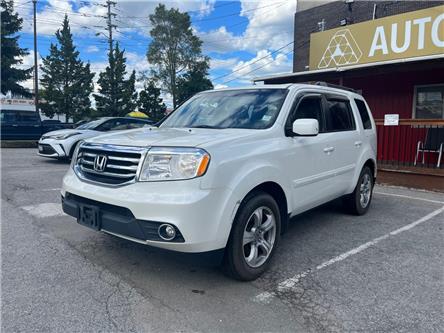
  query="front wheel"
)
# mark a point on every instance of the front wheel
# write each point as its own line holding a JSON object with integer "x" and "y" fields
{"x": 358, "y": 202}
{"x": 254, "y": 237}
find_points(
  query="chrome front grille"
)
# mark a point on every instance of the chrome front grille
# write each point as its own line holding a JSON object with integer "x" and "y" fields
{"x": 121, "y": 164}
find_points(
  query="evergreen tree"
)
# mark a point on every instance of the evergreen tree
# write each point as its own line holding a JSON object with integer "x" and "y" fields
{"x": 11, "y": 53}
{"x": 150, "y": 102}
{"x": 194, "y": 81}
{"x": 174, "y": 49}
{"x": 66, "y": 80}
{"x": 117, "y": 95}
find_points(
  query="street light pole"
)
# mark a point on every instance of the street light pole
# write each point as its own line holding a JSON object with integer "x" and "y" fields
{"x": 36, "y": 68}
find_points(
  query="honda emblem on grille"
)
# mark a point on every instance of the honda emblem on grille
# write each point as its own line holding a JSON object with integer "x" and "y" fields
{"x": 100, "y": 163}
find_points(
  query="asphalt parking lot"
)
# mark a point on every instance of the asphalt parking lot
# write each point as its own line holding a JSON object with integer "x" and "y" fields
{"x": 332, "y": 272}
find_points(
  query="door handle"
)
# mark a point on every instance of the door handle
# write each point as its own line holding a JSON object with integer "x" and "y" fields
{"x": 358, "y": 144}
{"x": 328, "y": 150}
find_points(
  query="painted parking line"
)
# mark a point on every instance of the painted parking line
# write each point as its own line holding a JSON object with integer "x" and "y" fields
{"x": 408, "y": 197}
{"x": 288, "y": 284}
{"x": 43, "y": 210}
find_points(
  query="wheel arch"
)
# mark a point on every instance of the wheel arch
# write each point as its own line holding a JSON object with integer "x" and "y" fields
{"x": 277, "y": 192}
{"x": 73, "y": 147}
{"x": 372, "y": 165}
{"x": 365, "y": 160}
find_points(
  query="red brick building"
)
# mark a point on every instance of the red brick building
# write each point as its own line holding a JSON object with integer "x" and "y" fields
{"x": 393, "y": 53}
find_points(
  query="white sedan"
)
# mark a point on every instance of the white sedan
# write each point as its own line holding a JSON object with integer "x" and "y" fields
{"x": 61, "y": 144}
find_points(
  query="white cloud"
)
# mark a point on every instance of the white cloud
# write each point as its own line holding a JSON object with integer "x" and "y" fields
{"x": 223, "y": 63}
{"x": 220, "y": 86}
{"x": 89, "y": 18}
{"x": 28, "y": 62}
{"x": 262, "y": 64}
{"x": 92, "y": 49}
{"x": 270, "y": 26}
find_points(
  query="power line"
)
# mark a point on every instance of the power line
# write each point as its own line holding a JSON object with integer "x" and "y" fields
{"x": 254, "y": 70}
{"x": 257, "y": 68}
{"x": 237, "y": 13}
{"x": 279, "y": 4}
{"x": 24, "y": 4}
{"x": 247, "y": 21}
{"x": 214, "y": 41}
{"x": 228, "y": 3}
{"x": 257, "y": 60}
{"x": 64, "y": 11}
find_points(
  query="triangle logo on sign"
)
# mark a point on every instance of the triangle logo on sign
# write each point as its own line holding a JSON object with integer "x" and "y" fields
{"x": 342, "y": 50}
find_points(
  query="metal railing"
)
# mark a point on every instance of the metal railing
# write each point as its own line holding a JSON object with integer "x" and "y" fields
{"x": 413, "y": 143}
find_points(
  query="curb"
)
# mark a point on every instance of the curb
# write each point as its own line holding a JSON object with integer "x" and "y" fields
{"x": 18, "y": 143}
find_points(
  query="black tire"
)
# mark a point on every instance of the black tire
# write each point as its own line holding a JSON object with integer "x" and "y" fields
{"x": 235, "y": 263}
{"x": 352, "y": 202}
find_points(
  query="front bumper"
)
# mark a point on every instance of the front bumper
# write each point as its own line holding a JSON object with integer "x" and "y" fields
{"x": 202, "y": 218}
{"x": 115, "y": 220}
{"x": 51, "y": 148}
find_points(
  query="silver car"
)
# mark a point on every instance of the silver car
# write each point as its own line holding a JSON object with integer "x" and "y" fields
{"x": 61, "y": 144}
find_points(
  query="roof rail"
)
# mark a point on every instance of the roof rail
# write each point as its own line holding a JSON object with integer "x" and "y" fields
{"x": 336, "y": 86}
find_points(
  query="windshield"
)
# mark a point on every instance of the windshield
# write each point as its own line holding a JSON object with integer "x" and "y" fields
{"x": 91, "y": 124}
{"x": 248, "y": 108}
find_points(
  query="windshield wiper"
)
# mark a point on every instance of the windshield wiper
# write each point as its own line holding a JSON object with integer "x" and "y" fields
{"x": 205, "y": 126}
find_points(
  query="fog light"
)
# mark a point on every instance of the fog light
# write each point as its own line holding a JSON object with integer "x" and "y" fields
{"x": 166, "y": 232}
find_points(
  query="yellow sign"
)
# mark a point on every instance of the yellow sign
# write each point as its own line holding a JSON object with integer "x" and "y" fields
{"x": 408, "y": 35}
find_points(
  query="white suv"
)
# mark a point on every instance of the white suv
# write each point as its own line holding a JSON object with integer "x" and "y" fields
{"x": 227, "y": 170}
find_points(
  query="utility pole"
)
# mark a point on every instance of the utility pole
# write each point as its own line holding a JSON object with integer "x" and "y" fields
{"x": 36, "y": 67}
{"x": 110, "y": 28}
{"x": 110, "y": 25}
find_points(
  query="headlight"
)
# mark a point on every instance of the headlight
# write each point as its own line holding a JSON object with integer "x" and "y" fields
{"x": 164, "y": 163}
{"x": 63, "y": 136}
{"x": 74, "y": 155}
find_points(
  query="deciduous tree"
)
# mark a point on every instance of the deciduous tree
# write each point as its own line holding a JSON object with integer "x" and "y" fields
{"x": 194, "y": 81}
{"x": 174, "y": 48}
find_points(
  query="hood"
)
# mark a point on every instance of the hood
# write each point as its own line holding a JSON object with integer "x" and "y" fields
{"x": 178, "y": 137}
{"x": 65, "y": 131}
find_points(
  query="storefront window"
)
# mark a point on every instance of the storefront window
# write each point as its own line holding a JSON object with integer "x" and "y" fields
{"x": 429, "y": 102}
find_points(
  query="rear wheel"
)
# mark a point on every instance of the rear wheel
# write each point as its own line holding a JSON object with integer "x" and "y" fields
{"x": 254, "y": 237}
{"x": 358, "y": 202}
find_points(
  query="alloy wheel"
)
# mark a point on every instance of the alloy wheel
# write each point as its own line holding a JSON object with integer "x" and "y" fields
{"x": 365, "y": 190}
{"x": 259, "y": 236}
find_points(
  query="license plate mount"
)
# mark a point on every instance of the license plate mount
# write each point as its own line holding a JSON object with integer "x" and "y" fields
{"x": 89, "y": 216}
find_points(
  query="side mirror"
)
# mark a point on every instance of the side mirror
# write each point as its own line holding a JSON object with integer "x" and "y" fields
{"x": 306, "y": 127}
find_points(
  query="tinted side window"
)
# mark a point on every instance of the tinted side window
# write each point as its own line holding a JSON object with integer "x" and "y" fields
{"x": 340, "y": 116}
{"x": 106, "y": 126}
{"x": 311, "y": 108}
{"x": 28, "y": 116}
{"x": 363, "y": 112}
{"x": 120, "y": 124}
{"x": 136, "y": 124}
{"x": 8, "y": 116}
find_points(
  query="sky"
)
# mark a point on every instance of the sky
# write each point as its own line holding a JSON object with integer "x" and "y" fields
{"x": 244, "y": 39}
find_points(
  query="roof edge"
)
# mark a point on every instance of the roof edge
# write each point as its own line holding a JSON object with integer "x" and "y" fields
{"x": 348, "y": 68}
